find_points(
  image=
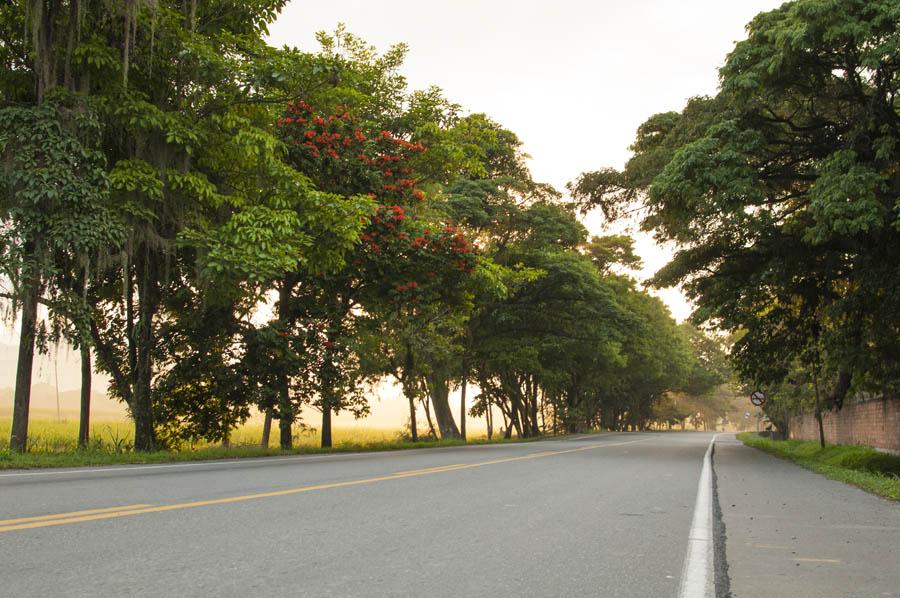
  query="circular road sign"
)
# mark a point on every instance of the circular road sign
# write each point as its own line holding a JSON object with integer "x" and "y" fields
{"x": 758, "y": 398}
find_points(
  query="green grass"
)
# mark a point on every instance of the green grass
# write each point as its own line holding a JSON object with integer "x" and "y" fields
{"x": 47, "y": 435}
{"x": 50, "y": 435}
{"x": 53, "y": 444}
{"x": 861, "y": 466}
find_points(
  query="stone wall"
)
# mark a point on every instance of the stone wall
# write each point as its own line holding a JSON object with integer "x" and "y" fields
{"x": 873, "y": 423}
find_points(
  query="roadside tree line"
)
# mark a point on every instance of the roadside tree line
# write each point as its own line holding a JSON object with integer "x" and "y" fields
{"x": 221, "y": 226}
{"x": 783, "y": 194}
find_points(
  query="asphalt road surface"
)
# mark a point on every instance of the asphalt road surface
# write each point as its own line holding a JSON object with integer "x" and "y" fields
{"x": 601, "y": 515}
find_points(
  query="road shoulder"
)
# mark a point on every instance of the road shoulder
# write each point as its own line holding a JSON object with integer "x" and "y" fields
{"x": 791, "y": 532}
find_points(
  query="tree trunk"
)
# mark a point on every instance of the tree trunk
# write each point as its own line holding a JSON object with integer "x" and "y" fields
{"x": 534, "y": 409}
{"x": 44, "y": 42}
{"x": 142, "y": 406}
{"x": 525, "y": 418}
{"x": 285, "y": 408}
{"x": 267, "y": 429}
{"x": 462, "y": 404}
{"x": 514, "y": 417}
{"x": 327, "y": 375}
{"x": 412, "y": 419}
{"x": 227, "y": 428}
{"x": 818, "y": 408}
{"x": 489, "y": 420}
{"x": 428, "y": 418}
{"x": 544, "y": 410}
{"x": 84, "y": 420}
{"x": 552, "y": 410}
{"x": 286, "y": 431}
{"x": 128, "y": 298}
{"x": 18, "y": 441}
{"x": 439, "y": 391}
{"x": 142, "y": 409}
{"x": 74, "y": 9}
{"x": 286, "y": 415}
{"x": 326, "y": 426}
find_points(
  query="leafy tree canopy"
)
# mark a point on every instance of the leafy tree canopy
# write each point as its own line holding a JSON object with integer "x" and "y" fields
{"x": 782, "y": 193}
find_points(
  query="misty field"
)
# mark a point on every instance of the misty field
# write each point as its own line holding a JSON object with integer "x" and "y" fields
{"x": 53, "y": 443}
{"x": 49, "y": 435}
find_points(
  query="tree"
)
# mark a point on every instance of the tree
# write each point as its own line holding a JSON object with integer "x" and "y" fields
{"x": 402, "y": 260}
{"x": 193, "y": 169}
{"x": 486, "y": 195}
{"x": 547, "y": 332}
{"x": 781, "y": 193}
{"x": 54, "y": 209}
{"x": 610, "y": 251}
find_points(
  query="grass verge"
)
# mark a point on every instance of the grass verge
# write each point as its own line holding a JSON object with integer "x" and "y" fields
{"x": 89, "y": 457}
{"x": 861, "y": 466}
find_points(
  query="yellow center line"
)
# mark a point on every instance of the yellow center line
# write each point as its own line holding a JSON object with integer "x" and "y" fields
{"x": 415, "y": 472}
{"x": 100, "y": 514}
{"x": 7, "y": 522}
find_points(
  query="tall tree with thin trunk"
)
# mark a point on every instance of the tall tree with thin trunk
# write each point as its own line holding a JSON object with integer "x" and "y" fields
{"x": 267, "y": 429}
{"x": 84, "y": 420}
{"x": 462, "y": 399}
{"x": 54, "y": 207}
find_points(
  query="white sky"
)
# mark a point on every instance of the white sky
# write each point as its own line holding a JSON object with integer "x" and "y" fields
{"x": 573, "y": 78}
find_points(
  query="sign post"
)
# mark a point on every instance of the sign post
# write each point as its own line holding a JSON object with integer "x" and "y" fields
{"x": 758, "y": 398}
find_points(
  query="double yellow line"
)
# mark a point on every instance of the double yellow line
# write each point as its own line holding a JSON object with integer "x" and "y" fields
{"x": 24, "y": 523}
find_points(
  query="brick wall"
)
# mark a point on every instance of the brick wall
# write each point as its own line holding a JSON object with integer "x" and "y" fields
{"x": 872, "y": 423}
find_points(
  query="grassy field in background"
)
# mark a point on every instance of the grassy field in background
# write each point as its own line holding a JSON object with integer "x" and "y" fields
{"x": 53, "y": 443}
{"x": 861, "y": 466}
{"x": 50, "y": 435}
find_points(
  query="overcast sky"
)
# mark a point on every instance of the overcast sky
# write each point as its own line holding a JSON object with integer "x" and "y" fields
{"x": 573, "y": 78}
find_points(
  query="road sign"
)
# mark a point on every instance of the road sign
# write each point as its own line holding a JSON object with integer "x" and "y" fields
{"x": 758, "y": 398}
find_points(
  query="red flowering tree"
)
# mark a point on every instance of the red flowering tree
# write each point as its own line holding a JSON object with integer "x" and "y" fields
{"x": 404, "y": 265}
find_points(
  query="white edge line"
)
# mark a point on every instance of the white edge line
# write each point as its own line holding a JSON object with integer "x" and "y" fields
{"x": 227, "y": 462}
{"x": 698, "y": 574}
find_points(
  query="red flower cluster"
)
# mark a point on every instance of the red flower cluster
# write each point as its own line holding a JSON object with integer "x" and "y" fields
{"x": 340, "y": 155}
{"x": 460, "y": 244}
{"x": 389, "y": 217}
{"x": 383, "y": 228}
{"x": 406, "y": 287}
{"x": 397, "y": 213}
{"x": 336, "y": 143}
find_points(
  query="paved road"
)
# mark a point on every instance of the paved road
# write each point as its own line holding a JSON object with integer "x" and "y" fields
{"x": 601, "y": 515}
{"x": 604, "y": 515}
